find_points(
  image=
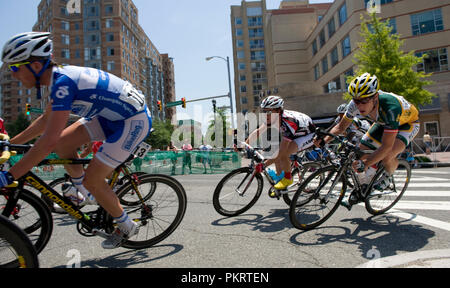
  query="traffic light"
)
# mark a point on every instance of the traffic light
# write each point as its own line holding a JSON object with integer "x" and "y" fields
{"x": 184, "y": 102}
{"x": 27, "y": 109}
{"x": 159, "y": 105}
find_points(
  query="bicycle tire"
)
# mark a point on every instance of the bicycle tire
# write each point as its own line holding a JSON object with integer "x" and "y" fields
{"x": 218, "y": 202}
{"x": 299, "y": 177}
{"x": 386, "y": 199}
{"x": 155, "y": 213}
{"x": 130, "y": 201}
{"x": 16, "y": 249}
{"x": 33, "y": 217}
{"x": 300, "y": 214}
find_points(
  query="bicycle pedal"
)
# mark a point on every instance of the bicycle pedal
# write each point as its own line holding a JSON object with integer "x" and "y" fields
{"x": 273, "y": 193}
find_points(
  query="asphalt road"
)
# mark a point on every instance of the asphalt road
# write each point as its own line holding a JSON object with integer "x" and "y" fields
{"x": 264, "y": 237}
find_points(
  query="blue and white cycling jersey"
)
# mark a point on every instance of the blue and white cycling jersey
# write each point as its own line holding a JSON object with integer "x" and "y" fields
{"x": 90, "y": 92}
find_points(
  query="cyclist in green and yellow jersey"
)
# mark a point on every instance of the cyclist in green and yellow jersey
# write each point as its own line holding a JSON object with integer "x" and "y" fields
{"x": 396, "y": 124}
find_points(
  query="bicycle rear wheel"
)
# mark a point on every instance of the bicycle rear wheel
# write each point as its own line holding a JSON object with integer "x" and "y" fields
{"x": 236, "y": 192}
{"x": 317, "y": 199}
{"x": 160, "y": 213}
{"x": 30, "y": 213}
{"x": 379, "y": 202}
{"x": 16, "y": 250}
{"x": 300, "y": 175}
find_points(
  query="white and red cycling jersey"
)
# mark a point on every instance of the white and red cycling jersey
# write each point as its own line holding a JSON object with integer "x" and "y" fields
{"x": 296, "y": 124}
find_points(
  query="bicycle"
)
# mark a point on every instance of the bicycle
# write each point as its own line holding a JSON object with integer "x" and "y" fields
{"x": 319, "y": 196}
{"x": 161, "y": 211}
{"x": 16, "y": 250}
{"x": 235, "y": 194}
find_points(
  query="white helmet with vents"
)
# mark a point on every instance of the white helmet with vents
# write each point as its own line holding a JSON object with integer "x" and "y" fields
{"x": 25, "y": 45}
{"x": 272, "y": 102}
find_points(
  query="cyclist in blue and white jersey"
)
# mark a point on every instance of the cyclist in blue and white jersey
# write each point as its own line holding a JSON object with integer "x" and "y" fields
{"x": 113, "y": 111}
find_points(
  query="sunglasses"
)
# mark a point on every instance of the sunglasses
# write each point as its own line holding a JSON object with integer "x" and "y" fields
{"x": 362, "y": 101}
{"x": 16, "y": 67}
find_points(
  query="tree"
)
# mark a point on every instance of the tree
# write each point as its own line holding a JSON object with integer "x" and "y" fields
{"x": 223, "y": 124}
{"x": 380, "y": 54}
{"x": 17, "y": 126}
{"x": 161, "y": 135}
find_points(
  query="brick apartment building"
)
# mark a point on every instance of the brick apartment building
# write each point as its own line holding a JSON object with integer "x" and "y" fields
{"x": 105, "y": 35}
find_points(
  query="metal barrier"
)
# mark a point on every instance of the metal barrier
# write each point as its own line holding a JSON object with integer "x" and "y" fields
{"x": 439, "y": 150}
{"x": 162, "y": 162}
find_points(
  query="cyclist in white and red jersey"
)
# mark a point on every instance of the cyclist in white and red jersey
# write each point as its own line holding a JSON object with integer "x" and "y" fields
{"x": 111, "y": 109}
{"x": 297, "y": 130}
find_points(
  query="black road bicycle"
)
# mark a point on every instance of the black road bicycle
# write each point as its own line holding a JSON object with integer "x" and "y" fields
{"x": 319, "y": 196}
{"x": 160, "y": 207}
{"x": 16, "y": 250}
{"x": 239, "y": 190}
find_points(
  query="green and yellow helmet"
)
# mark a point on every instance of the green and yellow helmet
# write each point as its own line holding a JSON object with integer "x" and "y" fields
{"x": 364, "y": 86}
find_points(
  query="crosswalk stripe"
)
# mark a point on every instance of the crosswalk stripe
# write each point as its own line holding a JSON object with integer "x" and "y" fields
{"x": 426, "y": 193}
{"x": 423, "y": 205}
{"x": 420, "y": 219}
{"x": 414, "y": 184}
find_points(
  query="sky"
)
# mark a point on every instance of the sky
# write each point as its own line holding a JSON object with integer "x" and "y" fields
{"x": 189, "y": 31}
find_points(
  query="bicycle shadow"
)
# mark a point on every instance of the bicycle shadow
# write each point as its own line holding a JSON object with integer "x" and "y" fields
{"x": 276, "y": 221}
{"x": 133, "y": 257}
{"x": 386, "y": 234}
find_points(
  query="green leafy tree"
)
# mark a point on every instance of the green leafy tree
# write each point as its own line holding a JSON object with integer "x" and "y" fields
{"x": 17, "y": 126}
{"x": 380, "y": 54}
{"x": 161, "y": 135}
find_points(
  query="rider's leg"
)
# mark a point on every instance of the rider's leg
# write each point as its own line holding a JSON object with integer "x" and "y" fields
{"x": 71, "y": 139}
{"x": 390, "y": 162}
{"x": 286, "y": 149}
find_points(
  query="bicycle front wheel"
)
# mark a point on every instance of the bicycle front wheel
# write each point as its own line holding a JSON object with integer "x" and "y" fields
{"x": 16, "y": 250}
{"x": 161, "y": 211}
{"x": 30, "y": 213}
{"x": 299, "y": 175}
{"x": 317, "y": 199}
{"x": 237, "y": 192}
{"x": 379, "y": 202}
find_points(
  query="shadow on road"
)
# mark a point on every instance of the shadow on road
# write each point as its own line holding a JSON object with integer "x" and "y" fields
{"x": 385, "y": 234}
{"x": 133, "y": 257}
{"x": 275, "y": 221}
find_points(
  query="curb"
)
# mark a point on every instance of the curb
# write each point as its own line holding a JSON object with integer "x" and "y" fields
{"x": 421, "y": 259}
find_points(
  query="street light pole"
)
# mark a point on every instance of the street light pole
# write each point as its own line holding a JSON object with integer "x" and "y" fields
{"x": 229, "y": 86}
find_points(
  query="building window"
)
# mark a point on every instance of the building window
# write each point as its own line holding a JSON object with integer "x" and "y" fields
{"x": 347, "y": 74}
{"x": 325, "y": 65}
{"x": 314, "y": 47}
{"x": 65, "y": 25}
{"x": 346, "y": 46}
{"x": 65, "y": 39}
{"x": 238, "y": 21}
{"x": 254, "y": 11}
{"x": 257, "y": 55}
{"x": 427, "y": 22}
{"x": 331, "y": 28}
{"x": 382, "y": 2}
{"x": 241, "y": 66}
{"x": 432, "y": 128}
{"x": 334, "y": 57}
{"x": 243, "y": 89}
{"x": 434, "y": 61}
{"x": 343, "y": 14}
{"x": 316, "y": 72}
{"x": 322, "y": 38}
{"x": 109, "y": 23}
{"x": 108, "y": 9}
{"x": 240, "y": 54}
{"x": 110, "y": 51}
{"x": 110, "y": 37}
{"x": 239, "y": 32}
{"x": 240, "y": 43}
{"x": 110, "y": 65}
{"x": 65, "y": 53}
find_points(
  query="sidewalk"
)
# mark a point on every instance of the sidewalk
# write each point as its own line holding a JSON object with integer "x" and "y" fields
{"x": 421, "y": 259}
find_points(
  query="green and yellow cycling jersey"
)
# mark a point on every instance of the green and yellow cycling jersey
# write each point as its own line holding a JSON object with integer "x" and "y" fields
{"x": 394, "y": 111}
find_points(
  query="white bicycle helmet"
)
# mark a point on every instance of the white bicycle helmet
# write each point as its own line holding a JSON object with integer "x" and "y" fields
{"x": 364, "y": 86}
{"x": 342, "y": 108}
{"x": 25, "y": 45}
{"x": 272, "y": 102}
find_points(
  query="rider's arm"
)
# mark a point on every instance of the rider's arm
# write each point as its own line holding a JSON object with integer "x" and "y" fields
{"x": 45, "y": 145}
{"x": 34, "y": 130}
{"x": 253, "y": 137}
{"x": 387, "y": 143}
{"x": 339, "y": 129}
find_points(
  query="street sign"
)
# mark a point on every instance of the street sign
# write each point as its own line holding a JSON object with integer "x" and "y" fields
{"x": 36, "y": 110}
{"x": 173, "y": 104}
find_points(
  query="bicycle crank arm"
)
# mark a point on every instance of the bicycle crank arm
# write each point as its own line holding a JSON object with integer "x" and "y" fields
{"x": 99, "y": 233}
